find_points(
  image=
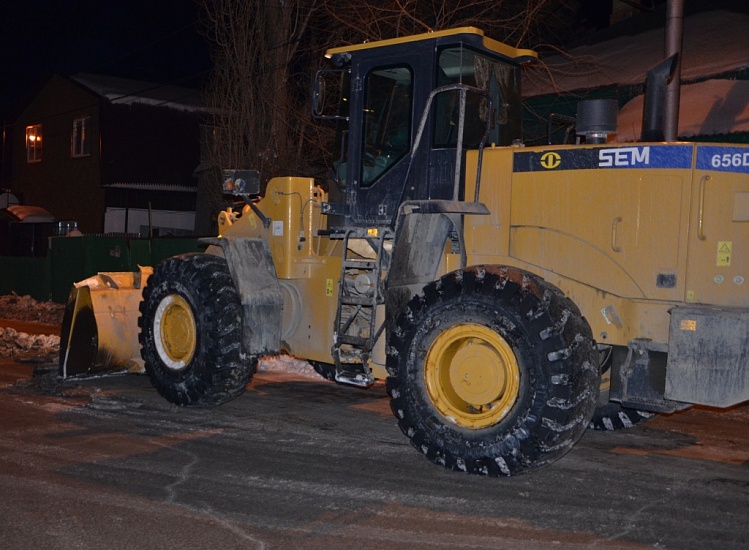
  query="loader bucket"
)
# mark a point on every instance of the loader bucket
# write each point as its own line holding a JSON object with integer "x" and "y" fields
{"x": 100, "y": 326}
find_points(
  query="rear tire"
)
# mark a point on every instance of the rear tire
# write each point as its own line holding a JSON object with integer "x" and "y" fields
{"x": 191, "y": 329}
{"x": 612, "y": 416}
{"x": 494, "y": 371}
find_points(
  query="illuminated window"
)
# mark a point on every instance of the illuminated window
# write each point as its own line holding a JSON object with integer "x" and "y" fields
{"x": 34, "y": 143}
{"x": 80, "y": 139}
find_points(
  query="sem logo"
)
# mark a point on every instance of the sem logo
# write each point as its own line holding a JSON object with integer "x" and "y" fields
{"x": 623, "y": 156}
{"x": 550, "y": 160}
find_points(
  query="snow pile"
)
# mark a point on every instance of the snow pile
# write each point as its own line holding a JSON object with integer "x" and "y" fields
{"x": 287, "y": 364}
{"x": 29, "y": 347}
{"x": 25, "y": 308}
{"x": 34, "y": 348}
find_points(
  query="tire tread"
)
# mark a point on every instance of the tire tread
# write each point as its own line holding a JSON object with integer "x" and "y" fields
{"x": 219, "y": 371}
{"x": 557, "y": 415}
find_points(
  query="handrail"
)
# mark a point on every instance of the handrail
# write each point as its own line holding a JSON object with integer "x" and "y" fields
{"x": 463, "y": 89}
{"x": 614, "y": 246}
{"x": 701, "y": 218}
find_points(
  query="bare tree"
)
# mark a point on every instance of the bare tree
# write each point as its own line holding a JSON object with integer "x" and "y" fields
{"x": 265, "y": 54}
{"x": 519, "y": 23}
{"x": 254, "y": 45}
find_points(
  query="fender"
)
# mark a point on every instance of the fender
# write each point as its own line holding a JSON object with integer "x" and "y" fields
{"x": 254, "y": 274}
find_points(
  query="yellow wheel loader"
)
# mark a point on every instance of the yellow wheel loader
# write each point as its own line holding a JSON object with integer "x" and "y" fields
{"x": 503, "y": 293}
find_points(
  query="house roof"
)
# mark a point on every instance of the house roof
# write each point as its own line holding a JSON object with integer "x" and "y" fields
{"x": 27, "y": 214}
{"x": 705, "y": 108}
{"x": 125, "y": 91}
{"x": 146, "y": 186}
{"x": 714, "y": 43}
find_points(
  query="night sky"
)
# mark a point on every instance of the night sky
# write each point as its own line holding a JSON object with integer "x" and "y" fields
{"x": 153, "y": 40}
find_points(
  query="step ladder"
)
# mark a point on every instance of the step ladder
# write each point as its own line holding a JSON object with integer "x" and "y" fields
{"x": 360, "y": 292}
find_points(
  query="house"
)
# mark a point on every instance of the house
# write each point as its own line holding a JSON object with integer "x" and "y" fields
{"x": 113, "y": 154}
{"x": 714, "y": 79}
{"x": 25, "y": 230}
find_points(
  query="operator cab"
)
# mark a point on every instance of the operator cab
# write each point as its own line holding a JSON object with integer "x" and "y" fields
{"x": 399, "y": 117}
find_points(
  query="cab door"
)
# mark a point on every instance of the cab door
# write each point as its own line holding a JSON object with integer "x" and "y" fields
{"x": 384, "y": 110}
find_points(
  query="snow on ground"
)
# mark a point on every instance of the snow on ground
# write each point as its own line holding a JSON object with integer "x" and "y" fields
{"x": 35, "y": 348}
{"x": 288, "y": 364}
{"x": 38, "y": 348}
{"x": 45, "y": 349}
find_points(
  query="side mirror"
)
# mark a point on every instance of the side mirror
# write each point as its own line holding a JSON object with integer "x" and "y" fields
{"x": 329, "y": 101}
{"x": 318, "y": 95}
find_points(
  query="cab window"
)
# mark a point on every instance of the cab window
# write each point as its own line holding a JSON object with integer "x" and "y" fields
{"x": 387, "y": 120}
{"x": 458, "y": 64}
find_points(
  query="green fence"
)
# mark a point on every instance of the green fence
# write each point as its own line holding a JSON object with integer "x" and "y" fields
{"x": 72, "y": 259}
{"x": 25, "y": 275}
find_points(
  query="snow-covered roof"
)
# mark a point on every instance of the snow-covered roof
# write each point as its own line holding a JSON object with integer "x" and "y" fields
{"x": 706, "y": 108}
{"x": 145, "y": 186}
{"x": 28, "y": 214}
{"x": 125, "y": 91}
{"x": 714, "y": 43}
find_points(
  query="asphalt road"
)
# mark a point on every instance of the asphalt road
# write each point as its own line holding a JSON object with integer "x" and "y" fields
{"x": 299, "y": 463}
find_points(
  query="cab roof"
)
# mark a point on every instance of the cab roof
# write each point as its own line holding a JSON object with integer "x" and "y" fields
{"x": 488, "y": 44}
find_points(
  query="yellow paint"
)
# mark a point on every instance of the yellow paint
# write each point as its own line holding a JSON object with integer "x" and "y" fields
{"x": 293, "y": 205}
{"x": 724, "y": 253}
{"x": 562, "y": 220}
{"x": 113, "y": 298}
{"x": 720, "y": 210}
{"x": 490, "y": 44}
{"x": 472, "y": 376}
{"x": 372, "y": 232}
{"x": 177, "y": 333}
{"x": 550, "y": 160}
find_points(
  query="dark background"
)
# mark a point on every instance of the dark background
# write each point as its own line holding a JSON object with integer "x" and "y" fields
{"x": 160, "y": 40}
{"x": 152, "y": 40}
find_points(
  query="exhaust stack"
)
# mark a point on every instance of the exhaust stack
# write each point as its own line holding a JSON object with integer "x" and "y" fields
{"x": 655, "y": 111}
{"x": 596, "y": 119}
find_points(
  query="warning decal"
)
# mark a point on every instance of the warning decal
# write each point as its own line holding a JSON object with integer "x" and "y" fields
{"x": 724, "y": 253}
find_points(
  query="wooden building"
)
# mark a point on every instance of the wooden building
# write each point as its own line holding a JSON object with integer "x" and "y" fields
{"x": 115, "y": 155}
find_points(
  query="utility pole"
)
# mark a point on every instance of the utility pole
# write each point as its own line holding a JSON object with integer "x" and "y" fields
{"x": 674, "y": 33}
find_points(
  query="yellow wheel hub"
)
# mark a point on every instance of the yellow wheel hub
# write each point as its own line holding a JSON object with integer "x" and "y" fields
{"x": 472, "y": 376}
{"x": 174, "y": 332}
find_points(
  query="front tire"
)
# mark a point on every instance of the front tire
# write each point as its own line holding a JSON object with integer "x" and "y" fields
{"x": 191, "y": 327}
{"x": 494, "y": 371}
